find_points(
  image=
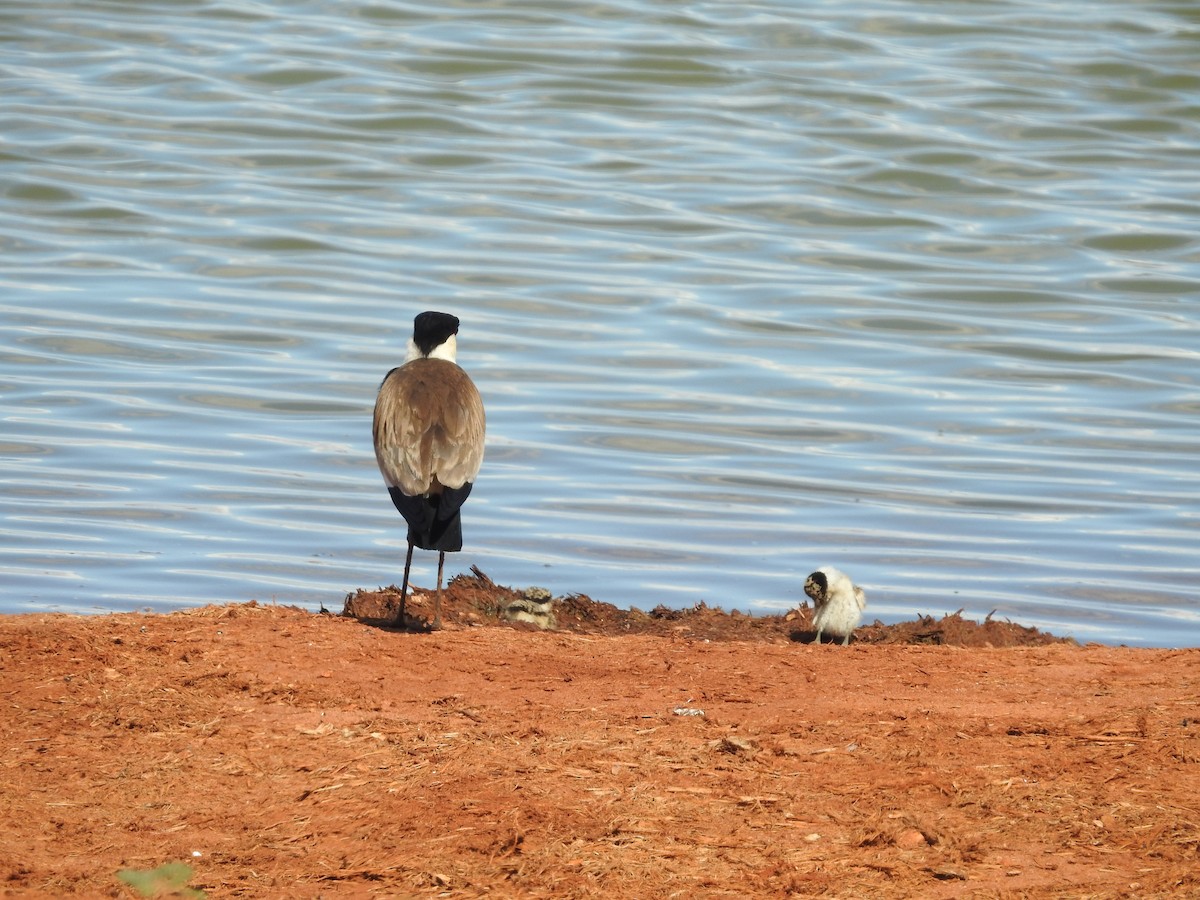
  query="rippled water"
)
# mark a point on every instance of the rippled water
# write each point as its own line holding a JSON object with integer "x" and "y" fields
{"x": 748, "y": 288}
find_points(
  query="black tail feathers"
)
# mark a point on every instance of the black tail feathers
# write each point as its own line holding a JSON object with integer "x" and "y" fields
{"x": 434, "y": 522}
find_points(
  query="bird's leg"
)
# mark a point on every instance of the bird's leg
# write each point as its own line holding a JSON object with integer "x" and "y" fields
{"x": 437, "y": 601}
{"x": 404, "y": 588}
{"x": 846, "y": 641}
{"x": 818, "y": 639}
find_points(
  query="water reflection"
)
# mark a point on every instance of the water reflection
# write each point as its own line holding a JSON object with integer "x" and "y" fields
{"x": 746, "y": 293}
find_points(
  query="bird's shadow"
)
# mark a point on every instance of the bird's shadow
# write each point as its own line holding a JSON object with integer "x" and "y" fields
{"x": 379, "y": 609}
{"x": 411, "y": 624}
{"x": 810, "y": 637}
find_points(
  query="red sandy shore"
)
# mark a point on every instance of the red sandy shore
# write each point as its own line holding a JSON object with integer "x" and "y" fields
{"x": 698, "y": 754}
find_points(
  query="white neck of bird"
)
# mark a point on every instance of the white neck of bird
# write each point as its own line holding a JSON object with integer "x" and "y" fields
{"x": 446, "y": 350}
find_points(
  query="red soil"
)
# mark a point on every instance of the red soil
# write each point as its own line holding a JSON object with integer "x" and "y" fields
{"x": 696, "y": 753}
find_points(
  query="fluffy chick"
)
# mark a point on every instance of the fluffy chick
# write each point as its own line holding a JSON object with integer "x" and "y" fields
{"x": 536, "y": 607}
{"x": 837, "y": 601}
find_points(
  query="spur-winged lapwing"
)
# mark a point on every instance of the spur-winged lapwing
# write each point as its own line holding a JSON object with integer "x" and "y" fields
{"x": 838, "y": 602}
{"x": 429, "y": 428}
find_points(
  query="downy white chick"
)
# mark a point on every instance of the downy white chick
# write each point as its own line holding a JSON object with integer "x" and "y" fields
{"x": 838, "y": 602}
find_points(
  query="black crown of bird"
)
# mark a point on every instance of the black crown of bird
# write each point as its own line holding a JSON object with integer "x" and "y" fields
{"x": 429, "y": 431}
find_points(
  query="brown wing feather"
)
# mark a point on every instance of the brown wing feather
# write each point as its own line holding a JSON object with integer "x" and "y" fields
{"x": 429, "y": 427}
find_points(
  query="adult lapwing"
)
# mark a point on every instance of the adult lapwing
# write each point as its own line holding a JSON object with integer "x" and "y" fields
{"x": 429, "y": 428}
{"x": 838, "y": 602}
